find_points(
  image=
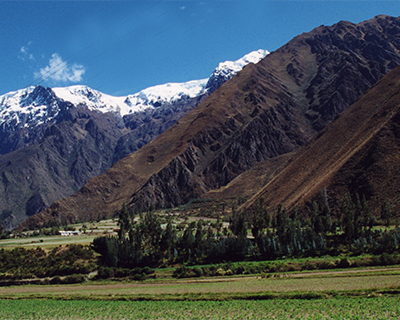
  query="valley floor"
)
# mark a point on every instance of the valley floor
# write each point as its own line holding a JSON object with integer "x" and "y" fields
{"x": 365, "y": 293}
{"x": 327, "y": 283}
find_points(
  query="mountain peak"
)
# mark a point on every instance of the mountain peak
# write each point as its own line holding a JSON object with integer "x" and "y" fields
{"x": 26, "y": 107}
{"x": 228, "y": 69}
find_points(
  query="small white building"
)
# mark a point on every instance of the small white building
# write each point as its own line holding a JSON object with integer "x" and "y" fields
{"x": 69, "y": 233}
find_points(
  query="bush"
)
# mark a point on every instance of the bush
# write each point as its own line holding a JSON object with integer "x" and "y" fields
{"x": 387, "y": 259}
{"x": 325, "y": 264}
{"x": 309, "y": 266}
{"x": 74, "y": 278}
{"x": 139, "y": 277}
{"x": 121, "y": 272}
{"x": 55, "y": 280}
{"x": 343, "y": 263}
{"x": 105, "y": 272}
{"x": 148, "y": 270}
{"x": 198, "y": 272}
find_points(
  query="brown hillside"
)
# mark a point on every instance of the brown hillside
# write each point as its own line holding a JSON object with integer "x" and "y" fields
{"x": 249, "y": 182}
{"x": 266, "y": 110}
{"x": 359, "y": 152}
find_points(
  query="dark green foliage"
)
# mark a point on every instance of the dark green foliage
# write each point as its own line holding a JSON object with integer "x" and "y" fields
{"x": 137, "y": 244}
{"x": 237, "y": 224}
{"x": 320, "y": 216}
{"x": 348, "y": 214}
{"x": 168, "y": 239}
{"x": 386, "y": 213}
{"x": 21, "y": 263}
{"x": 145, "y": 243}
{"x": 260, "y": 219}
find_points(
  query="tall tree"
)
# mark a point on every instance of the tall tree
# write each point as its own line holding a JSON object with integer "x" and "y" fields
{"x": 367, "y": 218}
{"x": 260, "y": 219}
{"x": 348, "y": 209}
{"x": 238, "y": 225}
{"x": 386, "y": 213}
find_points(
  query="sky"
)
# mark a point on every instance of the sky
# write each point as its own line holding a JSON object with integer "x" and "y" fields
{"x": 121, "y": 47}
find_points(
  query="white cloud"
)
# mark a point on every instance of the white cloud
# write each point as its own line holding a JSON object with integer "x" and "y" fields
{"x": 61, "y": 71}
{"x": 24, "y": 53}
{"x": 182, "y": 8}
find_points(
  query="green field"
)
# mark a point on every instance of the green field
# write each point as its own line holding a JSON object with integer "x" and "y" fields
{"x": 350, "y": 308}
{"x": 319, "y": 284}
{"x": 345, "y": 294}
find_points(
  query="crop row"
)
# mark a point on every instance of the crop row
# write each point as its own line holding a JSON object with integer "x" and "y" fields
{"x": 386, "y": 307}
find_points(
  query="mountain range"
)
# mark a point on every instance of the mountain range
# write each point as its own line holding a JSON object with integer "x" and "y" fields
{"x": 260, "y": 119}
{"x": 53, "y": 140}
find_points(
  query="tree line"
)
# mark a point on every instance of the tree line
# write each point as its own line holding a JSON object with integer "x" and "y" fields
{"x": 145, "y": 242}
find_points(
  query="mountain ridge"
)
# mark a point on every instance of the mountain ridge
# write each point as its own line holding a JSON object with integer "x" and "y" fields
{"x": 264, "y": 111}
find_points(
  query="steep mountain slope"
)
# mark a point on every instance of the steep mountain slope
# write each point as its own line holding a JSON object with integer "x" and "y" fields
{"x": 266, "y": 110}
{"x": 70, "y": 153}
{"x": 358, "y": 152}
{"x": 53, "y": 141}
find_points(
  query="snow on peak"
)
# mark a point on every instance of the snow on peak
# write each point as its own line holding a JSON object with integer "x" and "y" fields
{"x": 92, "y": 99}
{"x": 166, "y": 93}
{"x": 36, "y": 105}
{"x": 236, "y": 66}
{"x": 228, "y": 69}
{"x": 26, "y": 107}
{"x": 253, "y": 57}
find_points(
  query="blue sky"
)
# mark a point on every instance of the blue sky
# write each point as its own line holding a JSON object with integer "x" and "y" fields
{"x": 122, "y": 47}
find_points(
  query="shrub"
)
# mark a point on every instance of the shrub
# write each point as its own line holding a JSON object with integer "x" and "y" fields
{"x": 55, "y": 280}
{"x": 148, "y": 270}
{"x": 343, "y": 263}
{"x": 139, "y": 277}
{"x": 105, "y": 273}
{"x": 74, "y": 278}
{"x": 198, "y": 272}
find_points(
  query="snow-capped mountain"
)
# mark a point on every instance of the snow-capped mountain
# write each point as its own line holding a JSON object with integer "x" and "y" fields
{"x": 228, "y": 69}
{"x": 28, "y": 107}
{"x": 169, "y": 93}
{"x": 37, "y": 105}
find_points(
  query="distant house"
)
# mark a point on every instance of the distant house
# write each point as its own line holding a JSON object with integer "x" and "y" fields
{"x": 69, "y": 233}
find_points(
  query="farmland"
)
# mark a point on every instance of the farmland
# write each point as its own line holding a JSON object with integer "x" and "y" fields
{"x": 360, "y": 308}
{"x": 347, "y": 294}
{"x": 322, "y": 284}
